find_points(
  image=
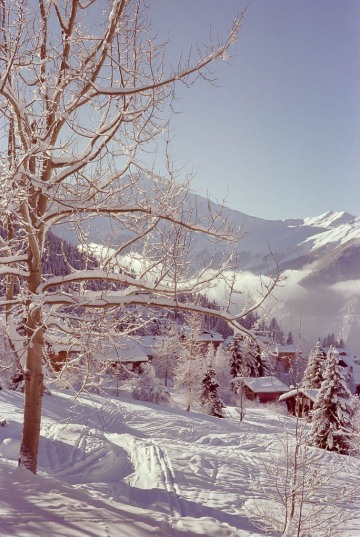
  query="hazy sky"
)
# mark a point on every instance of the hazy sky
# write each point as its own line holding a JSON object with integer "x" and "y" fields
{"x": 280, "y": 137}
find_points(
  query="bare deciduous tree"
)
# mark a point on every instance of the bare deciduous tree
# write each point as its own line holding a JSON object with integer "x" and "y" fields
{"x": 302, "y": 492}
{"x": 83, "y": 96}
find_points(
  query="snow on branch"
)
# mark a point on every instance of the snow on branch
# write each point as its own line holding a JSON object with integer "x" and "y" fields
{"x": 101, "y": 275}
{"x": 14, "y": 272}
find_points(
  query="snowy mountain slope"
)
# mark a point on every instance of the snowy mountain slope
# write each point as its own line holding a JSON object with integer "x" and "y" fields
{"x": 337, "y": 264}
{"x": 294, "y": 242}
{"x": 113, "y": 467}
{"x": 330, "y": 219}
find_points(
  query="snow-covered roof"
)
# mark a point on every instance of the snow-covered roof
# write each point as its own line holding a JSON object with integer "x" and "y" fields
{"x": 265, "y": 384}
{"x": 204, "y": 335}
{"x": 353, "y": 367}
{"x": 288, "y": 349}
{"x": 309, "y": 393}
{"x": 211, "y": 335}
{"x": 149, "y": 344}
{"x": 61, "y": 341}
{"x": 128, "y": 351}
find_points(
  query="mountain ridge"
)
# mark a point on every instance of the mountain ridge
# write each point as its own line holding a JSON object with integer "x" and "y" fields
{"x": 319, "y": 257}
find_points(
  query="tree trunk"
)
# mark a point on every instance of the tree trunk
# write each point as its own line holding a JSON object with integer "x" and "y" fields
{"x": 32, "y": 408}
{"x": 33, "y": 386}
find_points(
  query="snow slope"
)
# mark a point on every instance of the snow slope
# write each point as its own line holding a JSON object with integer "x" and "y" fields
{"x": 113, "y": 467}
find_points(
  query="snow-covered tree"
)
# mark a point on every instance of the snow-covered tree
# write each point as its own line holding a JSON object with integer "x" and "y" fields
{"x": 85, "y": 96}
{"x": 276, "y": 332}
{"x": 300, "y": 495}
{"x": 332, "y": 426}
{"x": 221, "y": 366}
{"x": 314, "y": 372}
{"x": 210, "y": 399}
{"x": 149, "y": 388}
{"x": 247, "y": 359}
{"x": 189, "y": 370}
{"x": 256, "y": 360}
{"x": 210, "y": 354}
{"x": 167, "y": 354}
{"x": 237, "y": 362}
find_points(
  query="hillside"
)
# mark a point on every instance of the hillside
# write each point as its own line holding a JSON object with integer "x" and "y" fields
{"x": 113, "y": 467}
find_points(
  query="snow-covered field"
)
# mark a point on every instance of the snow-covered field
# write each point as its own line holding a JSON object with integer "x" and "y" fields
{"x": 115, "y": 467}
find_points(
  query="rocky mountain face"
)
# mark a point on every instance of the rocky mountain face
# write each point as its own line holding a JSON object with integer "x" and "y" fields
{"x": 319, "y": 258}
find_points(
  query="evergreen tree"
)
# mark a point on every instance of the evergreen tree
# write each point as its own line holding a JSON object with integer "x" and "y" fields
{"x": 314, "y": 372}
{"x": 256, "y": 362}
{"x": 210, "y": 399}
{"x": 223, "y": 328}
{"x": 237, "y": 362}
{"x": 277, "y": 334}
{"x": 250, "y": 320}
{"x": 210, "y": 354}
{"x": 289, "y": 339}
{"x": 246, "y": 359}
{"x": 333, "y": 413}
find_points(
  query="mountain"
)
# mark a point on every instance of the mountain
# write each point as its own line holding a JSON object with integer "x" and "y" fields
{"x": 319, "y": 258}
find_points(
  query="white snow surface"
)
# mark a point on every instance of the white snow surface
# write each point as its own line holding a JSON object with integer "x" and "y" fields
{"x": 111, "y": 467}
{"x": 341, "y": 234}
{"x": 328, "y": 219}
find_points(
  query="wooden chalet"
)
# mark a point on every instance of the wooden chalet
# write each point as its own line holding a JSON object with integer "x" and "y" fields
{"x": 264, "y": 389}
{"x": 60, "y": 348}
{"x": 300, "y": 402}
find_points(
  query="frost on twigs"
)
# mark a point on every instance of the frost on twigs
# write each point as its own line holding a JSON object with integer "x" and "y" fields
{"x": 149, "y": 387}
{"x": 302, "y": 491}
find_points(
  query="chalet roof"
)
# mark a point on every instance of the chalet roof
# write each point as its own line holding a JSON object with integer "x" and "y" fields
{"x": 352, "y": 367}
{"x": 204, "y": 335}
{"x": 288, "y": 349}
{"x": 211, "y": 335}
{"x": 124, "y": 350}
{"x": 150, "y": 344}
{"x": 265, "y": 384}
{"x": 309, "y": 393}
{"x": 61, "y": 341}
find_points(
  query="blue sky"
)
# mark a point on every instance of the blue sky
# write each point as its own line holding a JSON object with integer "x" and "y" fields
{"x": 279, "y": 136}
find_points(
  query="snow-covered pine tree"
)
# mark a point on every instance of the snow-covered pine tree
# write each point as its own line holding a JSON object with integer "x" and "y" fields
{"x": 189, "y": 370}
{"x": 210, "y": 399}
{"x": 238, "y": 366}
{"x": 255, "y": 360}
{"x": 314, "y": 372}
{"x": 333, "y": 413}
{"x": 246, "y": 358}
